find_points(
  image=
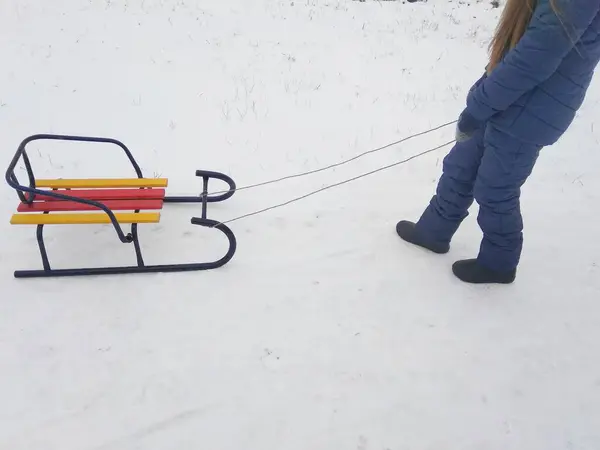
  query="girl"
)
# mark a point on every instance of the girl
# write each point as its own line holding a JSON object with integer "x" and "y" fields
{"x": 542, "y": 59}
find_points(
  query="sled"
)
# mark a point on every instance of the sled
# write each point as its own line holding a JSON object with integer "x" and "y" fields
{"x": 116, "y": 201}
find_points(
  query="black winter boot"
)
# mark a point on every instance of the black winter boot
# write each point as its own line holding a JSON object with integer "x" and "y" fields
{"x": 407, "y": 231}
{"x": 470, "y": 271}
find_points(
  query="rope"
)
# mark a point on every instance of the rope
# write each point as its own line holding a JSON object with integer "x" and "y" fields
{"x": 331, "y": 166}
{"x": 310, "y": 194}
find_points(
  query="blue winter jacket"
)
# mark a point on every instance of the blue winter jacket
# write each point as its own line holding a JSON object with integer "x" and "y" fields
{"x": 535, "y": 91}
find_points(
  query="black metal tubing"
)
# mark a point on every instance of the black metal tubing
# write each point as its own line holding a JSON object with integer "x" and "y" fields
{"x": 136, "y": 244}
{"x": 30, "y": 175}
{"x": 164, "y": 268}
{"x": 206, "y": 175}
{"x": 141, "y": 267}
{"x": 13, "y": 182}
{"x": 42, "y": 246}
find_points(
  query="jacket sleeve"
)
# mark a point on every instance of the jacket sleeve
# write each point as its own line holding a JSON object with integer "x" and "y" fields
{"x": 546, "y": 42}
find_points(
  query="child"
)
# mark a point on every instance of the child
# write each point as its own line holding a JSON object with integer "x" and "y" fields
{"x": 542, "y": 59}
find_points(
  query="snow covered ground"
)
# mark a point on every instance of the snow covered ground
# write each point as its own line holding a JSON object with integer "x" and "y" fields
{"x": 325, "y": 332}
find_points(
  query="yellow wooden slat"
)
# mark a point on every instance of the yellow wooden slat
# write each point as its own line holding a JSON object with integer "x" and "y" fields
{"x": 91, "y": 183}
{"x": 82, "y": 219}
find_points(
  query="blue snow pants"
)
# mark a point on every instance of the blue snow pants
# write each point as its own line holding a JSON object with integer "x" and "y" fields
{"x": 490, "y": 168}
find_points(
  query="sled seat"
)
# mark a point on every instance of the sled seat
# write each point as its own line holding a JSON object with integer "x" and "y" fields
{"x": 117, "y": 194}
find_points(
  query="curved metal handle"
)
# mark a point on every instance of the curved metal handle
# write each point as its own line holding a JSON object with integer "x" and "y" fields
{"x": 219, "y": 176}
{"x": 63, "y": 137}
{"x": 213, "y": 224}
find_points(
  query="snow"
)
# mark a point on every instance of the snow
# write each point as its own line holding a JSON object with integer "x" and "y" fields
{"x": 325, "y": 331}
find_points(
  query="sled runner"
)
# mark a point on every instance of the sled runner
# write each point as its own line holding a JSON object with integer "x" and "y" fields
{"x": 113, "y": 201}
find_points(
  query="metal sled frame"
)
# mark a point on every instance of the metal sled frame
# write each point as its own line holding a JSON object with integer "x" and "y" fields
{"x": 28, "y": 194}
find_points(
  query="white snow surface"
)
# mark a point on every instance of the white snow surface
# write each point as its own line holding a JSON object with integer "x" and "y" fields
{"x": 325, "y": 332}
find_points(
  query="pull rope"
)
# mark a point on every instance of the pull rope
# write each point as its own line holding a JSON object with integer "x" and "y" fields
{"x": 341, "y": 163}
{"x": 310, "y": 194}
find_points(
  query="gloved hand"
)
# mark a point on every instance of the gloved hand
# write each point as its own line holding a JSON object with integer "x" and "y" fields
{"x": 466, "y": 127}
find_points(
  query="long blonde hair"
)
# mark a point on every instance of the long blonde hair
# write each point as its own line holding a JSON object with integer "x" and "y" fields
{"x": 514, "y": 21}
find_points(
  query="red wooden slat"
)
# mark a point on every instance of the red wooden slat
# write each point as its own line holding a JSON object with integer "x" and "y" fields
{"x": 115, "y": 205}
{"x": 108, "y": 194}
